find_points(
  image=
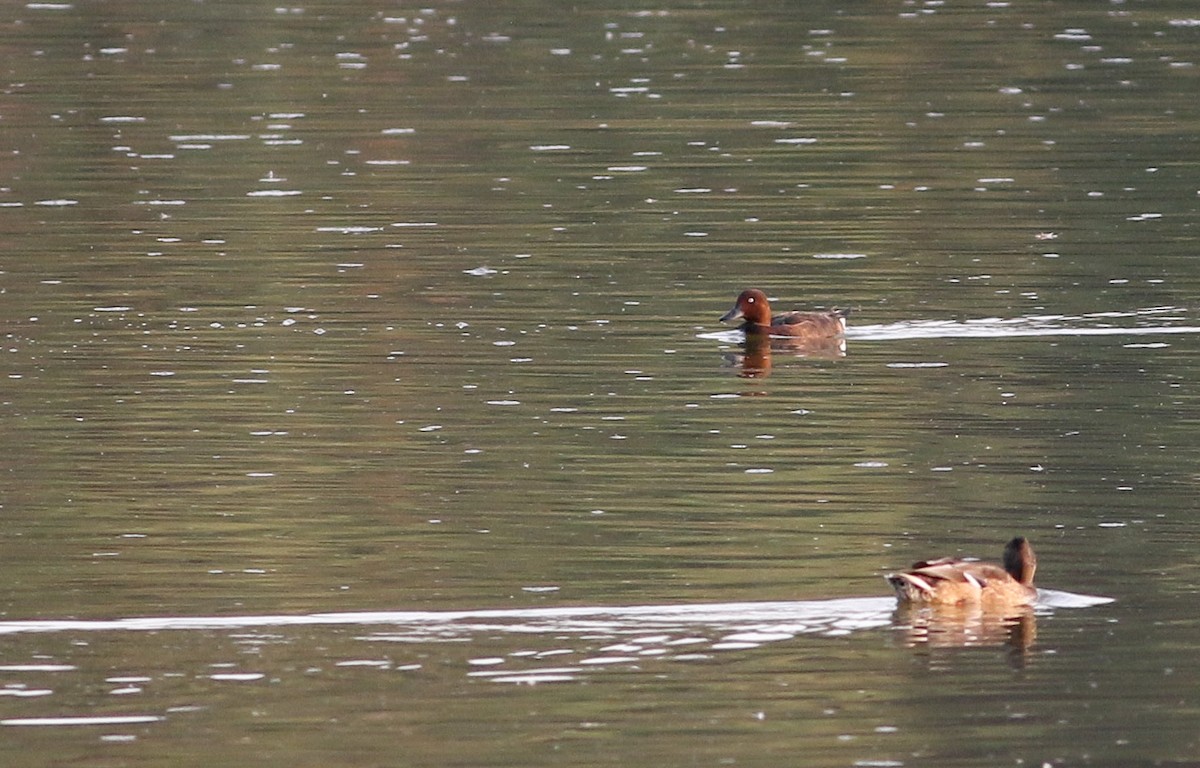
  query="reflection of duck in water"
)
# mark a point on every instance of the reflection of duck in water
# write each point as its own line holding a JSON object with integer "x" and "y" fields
{"x": 950, "y": 582}
{"x": 805, "y": 334}
{"x": 967, "y": 626}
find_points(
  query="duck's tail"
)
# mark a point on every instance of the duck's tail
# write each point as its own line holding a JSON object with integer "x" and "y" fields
{"x": 910, "y": 587}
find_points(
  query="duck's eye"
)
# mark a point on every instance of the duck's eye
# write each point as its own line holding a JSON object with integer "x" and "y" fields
{"x": 749, "y": 299}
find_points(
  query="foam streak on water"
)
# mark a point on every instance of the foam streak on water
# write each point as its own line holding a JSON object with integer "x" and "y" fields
{"x": 787, "y": 618}
{"x": 1090, "y": 324}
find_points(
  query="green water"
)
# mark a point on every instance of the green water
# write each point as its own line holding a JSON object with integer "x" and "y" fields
{"x": 368, "y": 307}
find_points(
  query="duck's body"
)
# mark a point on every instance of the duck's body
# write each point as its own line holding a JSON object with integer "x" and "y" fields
{"x": 754, "y": 310}
{"x": 948, "y": 581}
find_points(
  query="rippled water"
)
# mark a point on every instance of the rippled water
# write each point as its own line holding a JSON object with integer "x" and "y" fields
{"x": 363, "y": 370}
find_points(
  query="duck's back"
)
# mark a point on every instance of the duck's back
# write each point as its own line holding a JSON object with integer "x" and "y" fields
{"x": 949, "y": 581}
{"x": 812, "y": 324}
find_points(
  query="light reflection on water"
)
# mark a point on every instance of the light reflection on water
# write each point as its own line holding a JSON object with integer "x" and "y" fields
{"x": 1037, "y": 325}
{"x": 680, "y": 632}
{"x": 351, "y": 305}
{"x": 757, "y": 359}
{"x": 1091, "y": 324}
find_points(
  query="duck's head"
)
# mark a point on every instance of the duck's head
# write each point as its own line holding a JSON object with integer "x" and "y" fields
{"x": 1020, "y": 561}
{"x": 751, "y": 305}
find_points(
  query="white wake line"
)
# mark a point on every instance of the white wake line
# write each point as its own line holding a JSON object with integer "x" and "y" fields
{"x": 982, "y": 329}
{"x": 998, "y": 327}
{"x": 819, "y": 615}
{"x": 999, "y": 330}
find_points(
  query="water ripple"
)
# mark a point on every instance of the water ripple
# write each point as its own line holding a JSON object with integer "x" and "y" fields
{"x": 776, "y": 619}
{"x": 1090, "y": 324}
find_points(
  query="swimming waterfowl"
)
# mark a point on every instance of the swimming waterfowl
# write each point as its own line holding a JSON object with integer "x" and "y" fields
{"x": 949, "y": 581}
{"x": 754, "y": 310}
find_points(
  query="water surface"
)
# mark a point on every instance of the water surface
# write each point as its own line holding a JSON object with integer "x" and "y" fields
{"x": 355, "y": 309}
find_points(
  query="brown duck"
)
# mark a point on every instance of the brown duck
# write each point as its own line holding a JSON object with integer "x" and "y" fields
{"x": 949, "y": 581}
{"x": 754, "y": 310}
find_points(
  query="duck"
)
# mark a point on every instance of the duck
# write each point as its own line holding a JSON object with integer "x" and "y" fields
{"x": 753, "y": 308}
{"x": 949, "y": 581}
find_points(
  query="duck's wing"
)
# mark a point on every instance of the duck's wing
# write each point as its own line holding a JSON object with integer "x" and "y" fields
{"x": 811, "y": 323}
{"x": 953, "y": 569}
